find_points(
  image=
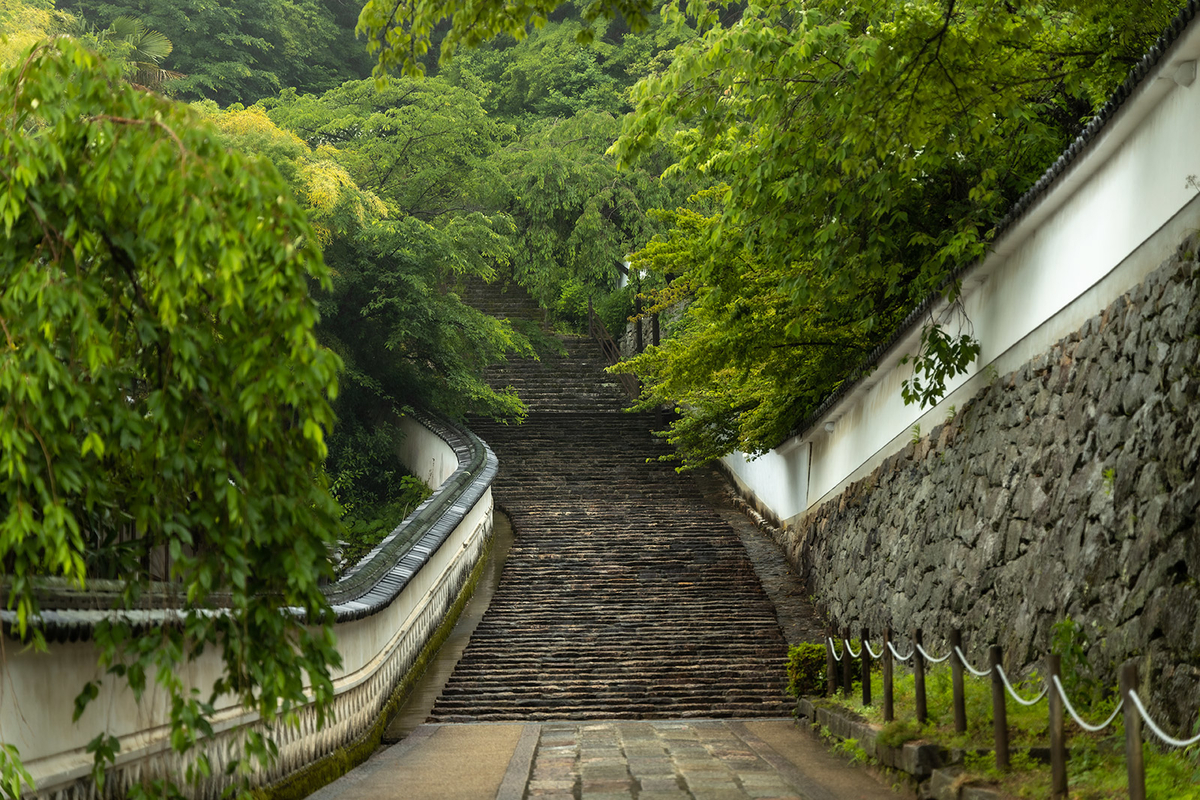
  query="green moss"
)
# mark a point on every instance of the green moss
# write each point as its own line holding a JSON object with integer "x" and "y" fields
{"x": 329, "y": 768}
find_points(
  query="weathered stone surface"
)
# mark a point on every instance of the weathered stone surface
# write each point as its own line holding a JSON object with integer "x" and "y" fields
{"x": 945, "y": 783}
{"x": 981, "y": 793}
{"x": 1066, "y": 488}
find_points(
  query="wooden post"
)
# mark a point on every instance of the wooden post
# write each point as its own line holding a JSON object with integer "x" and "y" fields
{"x": 830, "y": 664}
{"x": 1058, "y": 739}
{"x": 956, "y": 678}
{"x": 847, "y": 677}
{"x": 889, "y": 710}
{"x": 654, "y": 330}
{"x": 866, "y": 668}
{"x": 919, "y": 679}
{"x": 1134, "y": 765}
{"x": 999, "y": 709}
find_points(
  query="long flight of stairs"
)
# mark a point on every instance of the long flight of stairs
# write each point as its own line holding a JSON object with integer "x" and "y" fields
{"x": 624, "y": 595}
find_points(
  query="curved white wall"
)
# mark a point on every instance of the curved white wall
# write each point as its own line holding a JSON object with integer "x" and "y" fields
{"x": 37, "y": 690}
{"x": 1102, "y": 226}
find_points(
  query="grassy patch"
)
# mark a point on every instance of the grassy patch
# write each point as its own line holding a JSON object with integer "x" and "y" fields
{"x": 1095, "y": 771}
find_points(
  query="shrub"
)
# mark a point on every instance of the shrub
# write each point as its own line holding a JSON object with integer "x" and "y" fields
{"x": 805, "y": 669}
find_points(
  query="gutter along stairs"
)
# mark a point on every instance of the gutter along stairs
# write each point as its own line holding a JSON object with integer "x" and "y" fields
{"x": 624, "y": 595}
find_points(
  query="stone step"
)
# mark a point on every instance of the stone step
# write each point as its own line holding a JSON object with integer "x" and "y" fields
{"x": 623, "y": 596}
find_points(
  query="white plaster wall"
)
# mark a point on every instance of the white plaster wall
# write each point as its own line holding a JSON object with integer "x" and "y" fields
{"x": 37, "y": 690}
{"x": 1111, "y": 218}
{"x": 779, "y": 478}
{"x": 425, "y": 454}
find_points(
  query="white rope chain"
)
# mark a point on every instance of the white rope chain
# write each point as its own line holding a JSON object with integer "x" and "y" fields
{"x": 1071, "y": 709}
{"x": 972, "y": 670}
{"x": 1013, "y": 691}
{"x": 931, "y": 659}
{"x": 1137, "y": 702}
{"x": 1172, "y": 741}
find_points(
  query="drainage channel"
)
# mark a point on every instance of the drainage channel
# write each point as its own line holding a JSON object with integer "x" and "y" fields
{"x": 419, "y": 705}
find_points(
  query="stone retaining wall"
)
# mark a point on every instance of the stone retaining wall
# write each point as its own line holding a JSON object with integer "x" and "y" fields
{"x": 1067, "y": 487}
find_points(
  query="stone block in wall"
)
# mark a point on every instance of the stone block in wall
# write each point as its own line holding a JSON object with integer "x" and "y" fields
{"x": 1066, "y": 488}
{"x": 945, "y": 784}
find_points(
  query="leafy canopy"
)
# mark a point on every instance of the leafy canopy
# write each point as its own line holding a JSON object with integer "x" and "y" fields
{"x": 243, "y": 50}
{"x": 401, "y": 34}
{"x": 163, "y": 399}
{"x": 867, "y": 152}
{"x": 418, "y": 153}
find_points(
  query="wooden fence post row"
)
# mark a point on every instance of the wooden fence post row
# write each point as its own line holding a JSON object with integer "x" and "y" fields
{"x": 1135, "y": 763}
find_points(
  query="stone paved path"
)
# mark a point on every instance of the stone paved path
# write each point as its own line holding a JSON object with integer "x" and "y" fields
{"x": 672, "y": 760}
{"x": 757, "y": 759}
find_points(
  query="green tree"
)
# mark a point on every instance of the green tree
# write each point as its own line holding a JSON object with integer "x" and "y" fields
{"x": 387, "y": 184}
{"x": 737, "y": 357}
{"x": 160, "y": 376}
{"x": 401, "y": 35}
{"x": 142, "y": 49}
{"x": 867, "y": 152}
{"x": 421, "y": 149}
{"x": 421, "y": 146}
{"x": 242, "y": 50}
{"x": 577, "y": 215}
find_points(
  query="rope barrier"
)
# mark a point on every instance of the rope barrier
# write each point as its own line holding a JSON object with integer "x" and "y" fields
{"x": 1013, "y": 691}
{"x": 977, "y": 673}
{"x": 897, "y": 655}
{"x": 1071, "y": 709}
{"x": 931, "y": 659}
{"x": 1055, "y": 682}
{"x": 1172, "y": 741}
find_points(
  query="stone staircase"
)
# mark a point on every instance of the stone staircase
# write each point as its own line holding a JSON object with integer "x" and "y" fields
{"x": 624, "y": 595}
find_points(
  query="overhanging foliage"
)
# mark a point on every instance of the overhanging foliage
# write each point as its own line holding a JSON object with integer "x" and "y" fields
{"x": 163, "y": 399}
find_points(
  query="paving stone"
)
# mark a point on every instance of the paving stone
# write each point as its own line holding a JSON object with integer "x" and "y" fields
{"x": 663, "y": 784}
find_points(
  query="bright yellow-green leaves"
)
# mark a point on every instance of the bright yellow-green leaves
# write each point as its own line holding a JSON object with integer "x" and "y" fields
{"x": 161, "y": 389}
